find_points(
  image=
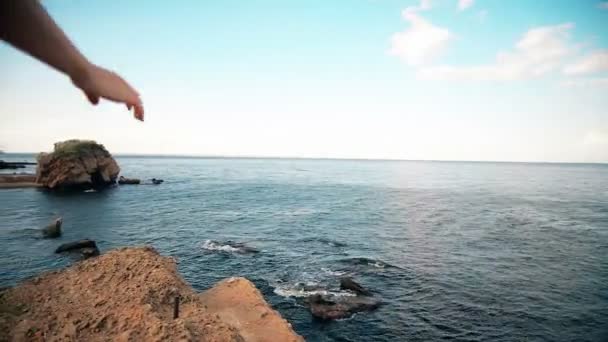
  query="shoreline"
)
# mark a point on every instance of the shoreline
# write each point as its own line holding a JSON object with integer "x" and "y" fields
{"x": 129, "y": 294}
{"x": 16, "y": 181}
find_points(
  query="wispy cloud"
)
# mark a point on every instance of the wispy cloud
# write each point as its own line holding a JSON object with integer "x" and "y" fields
{"x": 594, "y": 62}
{"x": 422, "y": 41}
{"x": 603, "y": 5}
{"x": 539, "y": 51}
{"x": 596, "y": 137}
{"x": 601, "y": 82}
{"x": 464, "y": 4}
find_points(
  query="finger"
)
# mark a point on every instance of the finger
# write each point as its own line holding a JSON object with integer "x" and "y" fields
{"x": 92, "y": 98}
{"x": 139, "y": 112}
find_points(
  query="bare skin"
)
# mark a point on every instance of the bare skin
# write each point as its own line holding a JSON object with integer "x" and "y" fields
{"x": 26, "y": 25}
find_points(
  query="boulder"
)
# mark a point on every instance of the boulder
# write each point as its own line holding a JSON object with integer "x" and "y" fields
{"x": 123, "y": 180}
{"x": 89, "y": 252}
{"x": 70, "y": 246}
{"x": 340, "y": 307}
{"x": 80, "y": 164}
{"x": 347, "y": 283}
{"x": 53, "y": 230}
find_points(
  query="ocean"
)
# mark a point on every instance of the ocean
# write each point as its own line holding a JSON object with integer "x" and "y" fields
{"x": 462, "y": 251}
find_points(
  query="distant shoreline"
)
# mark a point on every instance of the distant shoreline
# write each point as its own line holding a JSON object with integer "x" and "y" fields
{"x": 185, "y": 156}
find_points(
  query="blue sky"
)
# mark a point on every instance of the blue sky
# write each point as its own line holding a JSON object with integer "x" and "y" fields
{"x": 441, "y": 80}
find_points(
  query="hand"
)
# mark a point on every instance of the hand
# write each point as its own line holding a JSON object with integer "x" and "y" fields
{"x": 98, "y": 82}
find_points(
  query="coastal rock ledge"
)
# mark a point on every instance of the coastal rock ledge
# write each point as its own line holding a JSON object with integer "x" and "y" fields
{"x": 128, "y": 294}
{"x": 82, "y": 164}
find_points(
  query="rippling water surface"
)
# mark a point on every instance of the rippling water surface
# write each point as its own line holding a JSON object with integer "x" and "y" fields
{"x": 460, "y": 251}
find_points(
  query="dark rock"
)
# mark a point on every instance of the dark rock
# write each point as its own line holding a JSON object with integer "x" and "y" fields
{"x": 347, "y": 283}
{"x": 14, "y": 165}
{"x": 340, "y": 307}
{"x": 53, "y": 230}
{"x": 123, "y": 180}
{"x": 157, "y": 181}
{"x": 70, "y": 246}
{"x": 242, "y": 248}
{"x": 89, "y": 252}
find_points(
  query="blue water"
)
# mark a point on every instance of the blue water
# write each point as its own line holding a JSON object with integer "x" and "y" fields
{"x": 459, "y": 251}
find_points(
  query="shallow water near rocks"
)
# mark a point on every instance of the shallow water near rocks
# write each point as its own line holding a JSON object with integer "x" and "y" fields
{"x": 459, "y": 251}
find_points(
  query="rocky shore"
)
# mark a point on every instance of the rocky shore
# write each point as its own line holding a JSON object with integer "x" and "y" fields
{"x": 9, "y": 181}
{"x": 129, "y": 294}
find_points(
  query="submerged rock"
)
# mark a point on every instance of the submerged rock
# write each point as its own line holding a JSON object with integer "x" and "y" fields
{"x": 340, "y": 307}
{"x": 77, "y": 164}
{"x": 70, "y": 246}
{"x": 347, "y": 283}
{"x": 124, "y": 180}
{"x": 53, "y": 230}
{"x": 229, "y": 247}
{"x": 14, "y": 165}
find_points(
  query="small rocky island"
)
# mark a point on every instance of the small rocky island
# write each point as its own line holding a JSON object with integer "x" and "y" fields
{"x": 73, "y": 165}
{"x": 77, "y": 164}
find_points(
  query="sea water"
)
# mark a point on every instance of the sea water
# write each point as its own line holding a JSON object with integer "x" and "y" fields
{"x": 464, "y": 251}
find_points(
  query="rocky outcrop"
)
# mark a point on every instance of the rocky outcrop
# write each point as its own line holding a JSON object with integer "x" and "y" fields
{"x": 340, "y": 307}
{"x": 123, "y": 180}
{"x": 330, "y": 307}
{"x": 14, "y": 165}
{"x": 76, "y": 245}
{"x": 128, "y": 295}
{"x": 347, "y": 283}
{"x": 78, "y": 164}
{"x": 18, "y": 181}
{"x": 240, "y": 304}
{"x": 53, "y": 230}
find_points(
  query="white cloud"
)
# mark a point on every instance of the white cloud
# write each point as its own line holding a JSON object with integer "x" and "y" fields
{"x": 422, "y": 41}
{"x": 586, "y": 83}
{"x": 603, "y": 5}
{"x": 539, "y": 51}
{"x": 594, "y": 62}
{"x": 464, "y": 4}
{"x": 596, "y": 137}
{"x": 426, "y": 5}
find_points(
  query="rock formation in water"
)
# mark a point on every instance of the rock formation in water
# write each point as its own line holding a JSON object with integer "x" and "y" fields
{"x": 347, "y": 283}
{"x": 53, "y": 230}
{"x": 128, "y": 295}
{"x": 76, "y": 246}
{"x": 123, "y": 180}
{"x": 330, "y": 307}
{"x": 81, "y": 164}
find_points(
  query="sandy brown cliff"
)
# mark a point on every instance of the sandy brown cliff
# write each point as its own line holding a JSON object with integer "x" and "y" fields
{"x": 128, "y": 295}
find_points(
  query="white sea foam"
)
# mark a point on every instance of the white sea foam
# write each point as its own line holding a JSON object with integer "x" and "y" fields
{"x": 333, "y": 273}
{"x": 211, "y": 245}
{"x": 298, "y": 291}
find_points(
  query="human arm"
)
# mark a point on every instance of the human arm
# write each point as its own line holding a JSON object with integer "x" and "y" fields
{"x": 26, "y": 25}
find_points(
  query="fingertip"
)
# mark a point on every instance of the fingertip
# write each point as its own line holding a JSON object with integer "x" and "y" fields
{"x": 139, "y": 112}
{"x": 93, "y": 99}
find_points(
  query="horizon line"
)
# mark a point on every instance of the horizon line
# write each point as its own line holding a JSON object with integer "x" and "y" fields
{"x": 194, "y": 156}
